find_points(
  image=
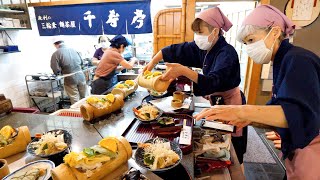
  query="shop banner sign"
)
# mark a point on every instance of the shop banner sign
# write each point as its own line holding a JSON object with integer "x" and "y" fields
{"x": 95, "y": 19}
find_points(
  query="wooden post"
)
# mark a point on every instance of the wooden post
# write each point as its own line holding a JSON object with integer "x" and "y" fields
{"x": 71, "y": 2}
{"x": 191, "y": 8}
{"x": 252, "y": 87}
{"x": 183, "y": 20}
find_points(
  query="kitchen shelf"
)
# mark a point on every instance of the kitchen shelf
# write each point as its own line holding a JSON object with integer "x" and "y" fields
{"x": 43, "y": 97}
{"x": 13, "y": 28}
{"x": 9, "y": 52}
{"x": 10, "y": 11}
{"x": 48, "y": 80}
{"x": 59, "y": 87}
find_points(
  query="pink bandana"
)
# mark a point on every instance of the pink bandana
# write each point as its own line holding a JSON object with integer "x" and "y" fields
{"x": 215, "y": 18}
{"x": 269, "y": 16}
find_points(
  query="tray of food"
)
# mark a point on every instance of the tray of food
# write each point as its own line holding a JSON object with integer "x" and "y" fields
{"x": 152, "y": 80}
{"x": 39, "y": 170}
{"x": 13, "y": 141}
{"x": 138, "y": 131}
{"x": 99, "y": 161}
{"x": 125, "y": 88}
{"x": 147, "y": 113}
{"x": 96, "y": 107}
{"x": 211, "y": 149}
{"x": 50, "y": 143}
{"x": 158, "y": 154}
{"x": 155, "y": 94}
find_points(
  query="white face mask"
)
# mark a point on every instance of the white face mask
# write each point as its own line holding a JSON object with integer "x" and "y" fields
{"x": 104, "y": 44}
{"x": 259, "y": 52}
{"x": 202, "y": 41}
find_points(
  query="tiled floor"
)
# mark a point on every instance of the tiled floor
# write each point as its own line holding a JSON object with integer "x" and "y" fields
{"x": 261, "y": 171}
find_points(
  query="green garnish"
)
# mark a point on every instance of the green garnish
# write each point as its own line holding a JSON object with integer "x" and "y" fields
{"x": 148, "y": 115}
{"x": 45, "y": 147}
{"x": 126, "y": 85}
{"x": 148, "y": 159}
{"x": 103, "y": 100}
{"x": 110, "y": 153}
{"x": 89, "y": 152}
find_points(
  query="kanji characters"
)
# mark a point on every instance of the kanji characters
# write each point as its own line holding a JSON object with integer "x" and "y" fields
{"x": 89, "y": 17}
{"x": 139, "y": 17}
{"x": 113, "y": 18}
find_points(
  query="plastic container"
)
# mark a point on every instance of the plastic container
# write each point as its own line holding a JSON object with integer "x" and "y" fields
{"x": 67, "y": 112}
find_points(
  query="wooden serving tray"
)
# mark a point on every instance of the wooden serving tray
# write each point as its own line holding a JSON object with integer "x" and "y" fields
{"x": 140, "y": 132}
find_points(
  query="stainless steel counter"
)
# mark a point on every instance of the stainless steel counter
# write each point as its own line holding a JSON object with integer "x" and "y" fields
{"x": 85, "y": 134}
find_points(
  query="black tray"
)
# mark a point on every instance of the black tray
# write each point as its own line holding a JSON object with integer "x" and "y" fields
{"x": 139, "y": 132}
{"x": 176, "y": 173}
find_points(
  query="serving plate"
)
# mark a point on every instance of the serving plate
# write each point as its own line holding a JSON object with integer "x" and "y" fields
{"x": 49, "y": 165}
{"x": 138, "y": 156}
{"x": 67, "y": 139}
{"x": 151, "y": 120}
{"x": 154, "y": 96}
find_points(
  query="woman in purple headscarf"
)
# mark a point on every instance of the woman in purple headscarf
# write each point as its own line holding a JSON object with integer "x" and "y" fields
{"x": 217, "y": 59}
{"x": 295, "y": 105}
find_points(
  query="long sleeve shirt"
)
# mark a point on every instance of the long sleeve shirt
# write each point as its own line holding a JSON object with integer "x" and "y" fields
{"x": 221, "y": 68}
{"x": 65, "y": 61}
{"x": 296, "y": 88}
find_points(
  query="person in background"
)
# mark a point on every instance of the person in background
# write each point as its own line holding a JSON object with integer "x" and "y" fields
{"x": 104, "y": 44}
{"x": 106, "y": 69}
{"x": 218, "y": 61}
{"x": 66, "y": 61}
{"x": 295, "y": 104}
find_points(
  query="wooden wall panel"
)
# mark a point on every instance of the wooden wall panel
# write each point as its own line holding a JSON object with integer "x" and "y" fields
{"x": 176, "y": 26}
{"x": 166, "y": 28}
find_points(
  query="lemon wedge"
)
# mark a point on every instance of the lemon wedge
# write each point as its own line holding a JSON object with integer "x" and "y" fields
{"x": 92, "y": 100}
{"x": 147, "y": 73}
{"x": 120, "y": 86}
{"x": 109, "y": 143}
{"x": 129, "y": 82}
{"x": 71, "y": 159}
{"x": 7, "y": 131}
{"x": 110, "y": 98}
{"x": 157, "y": 73}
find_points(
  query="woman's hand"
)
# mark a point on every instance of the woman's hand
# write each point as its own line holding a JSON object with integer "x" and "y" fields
{"x": 228, "y": 113}
{"x": 158, "y": 57}
{"x": 149, "y": 66}
{"x": 173, "y": 71}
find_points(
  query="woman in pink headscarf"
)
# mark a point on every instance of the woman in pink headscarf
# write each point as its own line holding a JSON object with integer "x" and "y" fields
{"x": 295, "y": 105}
{"x": 217, "y": 59}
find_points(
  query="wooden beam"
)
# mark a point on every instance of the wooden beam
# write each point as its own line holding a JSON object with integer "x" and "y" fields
{"x": 73, "y": 2}
{"x": 253, "y": 78}
{"x": 168, "y": 36}
{"x": 254, "y": 82}
{"x": 183, "y": 20}
{"x": 191, "y": 9}
{"x": 219, "y": 0}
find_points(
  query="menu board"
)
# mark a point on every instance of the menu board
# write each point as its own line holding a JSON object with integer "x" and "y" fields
{"x": 95, "y": 19}
{"x": 302, "y": 10}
